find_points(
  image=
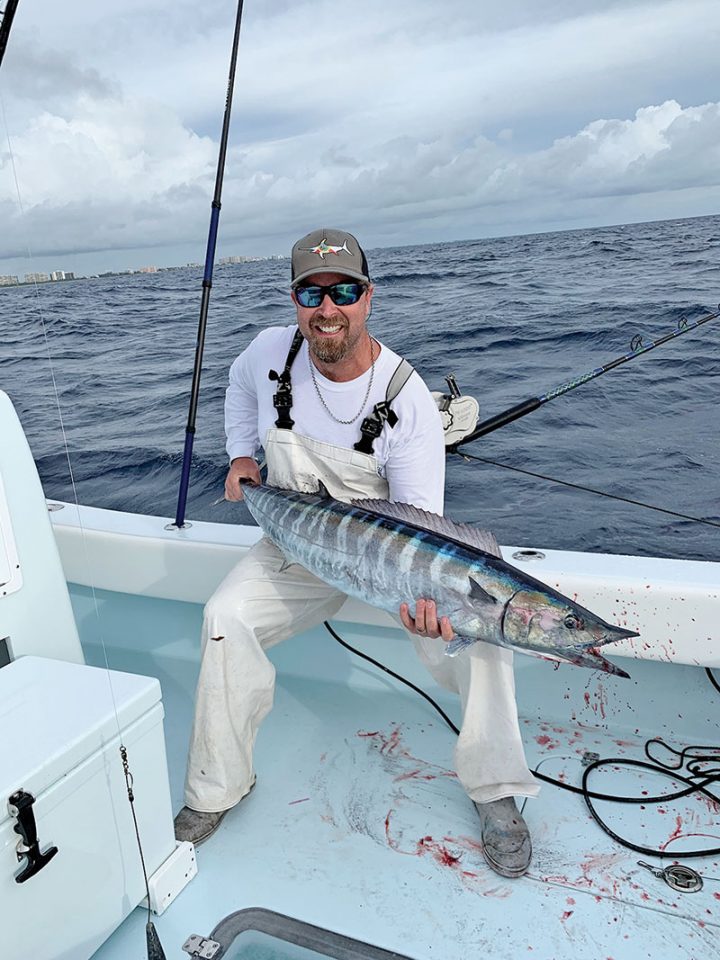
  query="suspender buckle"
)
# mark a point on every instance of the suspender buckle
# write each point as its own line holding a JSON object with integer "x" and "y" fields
{"x": 282, "y": 398}
{"x": 385, "y": 413}
{"x": 370, "y": 430}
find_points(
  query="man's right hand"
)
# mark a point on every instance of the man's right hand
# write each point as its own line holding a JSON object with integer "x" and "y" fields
{"x": 241, "y": 468}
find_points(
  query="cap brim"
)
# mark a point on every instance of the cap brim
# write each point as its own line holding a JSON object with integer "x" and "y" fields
{"x": 331, "y": 268}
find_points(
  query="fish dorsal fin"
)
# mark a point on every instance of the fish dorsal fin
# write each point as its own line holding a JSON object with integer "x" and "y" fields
{"x": 462, "y": 532}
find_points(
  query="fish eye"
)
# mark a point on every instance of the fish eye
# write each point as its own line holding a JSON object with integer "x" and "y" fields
{"x": 573, "y": 622}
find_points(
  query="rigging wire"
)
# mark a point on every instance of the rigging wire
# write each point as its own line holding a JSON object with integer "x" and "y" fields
{"x": 154, "y": 947}
{"x": 697, "y": 782}
{"x": 579, "y": 486}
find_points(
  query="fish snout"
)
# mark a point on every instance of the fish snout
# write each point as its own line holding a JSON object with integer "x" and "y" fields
{"x": 620, "y": 633}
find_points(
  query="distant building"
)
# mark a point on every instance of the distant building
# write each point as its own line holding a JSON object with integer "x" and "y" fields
{"x": 148, "y": 270}
{"x": 37, "y": 278}
{"x": 8, "y": 281}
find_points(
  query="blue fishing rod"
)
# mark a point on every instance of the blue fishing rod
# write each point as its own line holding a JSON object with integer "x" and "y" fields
{"x": 207, "y": 282}
{"x": 637, "y": 348}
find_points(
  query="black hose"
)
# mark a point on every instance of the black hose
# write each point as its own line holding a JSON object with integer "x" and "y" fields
{"x": 697, "y": 783}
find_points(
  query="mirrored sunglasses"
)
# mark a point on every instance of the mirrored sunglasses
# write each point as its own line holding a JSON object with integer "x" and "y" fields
{"x": 341, "y": 294}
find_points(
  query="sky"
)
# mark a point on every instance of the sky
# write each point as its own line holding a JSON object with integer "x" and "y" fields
{"x": 404, "y": 122}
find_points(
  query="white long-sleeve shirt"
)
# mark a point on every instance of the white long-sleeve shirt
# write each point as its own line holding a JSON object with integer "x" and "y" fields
{"x": 410, "y": 455}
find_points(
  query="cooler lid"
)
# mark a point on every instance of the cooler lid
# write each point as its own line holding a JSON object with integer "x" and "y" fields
{"x": 55, "y": 714}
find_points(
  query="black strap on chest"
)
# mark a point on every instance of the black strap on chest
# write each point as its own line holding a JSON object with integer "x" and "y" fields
{"x": 282, "y": 400}
{"x": 372, "y": 425}
{"x": 382, "y": 413}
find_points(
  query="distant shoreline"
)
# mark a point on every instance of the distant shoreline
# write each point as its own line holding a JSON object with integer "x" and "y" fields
{"x": 139, "y": 272}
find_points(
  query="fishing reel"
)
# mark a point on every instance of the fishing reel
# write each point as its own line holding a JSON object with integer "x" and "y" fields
{"x": 459, "y": 412}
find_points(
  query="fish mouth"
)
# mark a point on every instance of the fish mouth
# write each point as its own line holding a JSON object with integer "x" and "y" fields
{"x": 594, "y": 659}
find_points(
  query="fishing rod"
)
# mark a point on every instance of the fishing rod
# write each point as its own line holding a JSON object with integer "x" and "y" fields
{"x": 637, "y": 348}
{"x": 5, "y": 24}
{"x": 207, "y": 282}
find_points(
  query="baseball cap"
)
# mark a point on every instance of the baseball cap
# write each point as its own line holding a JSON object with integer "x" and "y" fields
{"x": 328, "y": 251}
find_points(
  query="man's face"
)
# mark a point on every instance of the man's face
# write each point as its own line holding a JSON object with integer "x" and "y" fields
{"x": 333, "y": 333}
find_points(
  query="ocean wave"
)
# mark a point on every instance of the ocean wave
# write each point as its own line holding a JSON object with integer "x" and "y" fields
{"x": 509, "y": 317}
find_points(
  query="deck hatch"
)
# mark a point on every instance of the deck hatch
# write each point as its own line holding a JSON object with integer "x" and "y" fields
{"x": 265, "y": 935}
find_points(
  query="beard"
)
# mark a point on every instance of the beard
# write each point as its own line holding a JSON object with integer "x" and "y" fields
{"x": 332, "y": 350}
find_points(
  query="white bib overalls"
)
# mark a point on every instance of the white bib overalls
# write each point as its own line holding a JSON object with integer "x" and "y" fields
{"x": 259, "y": 604}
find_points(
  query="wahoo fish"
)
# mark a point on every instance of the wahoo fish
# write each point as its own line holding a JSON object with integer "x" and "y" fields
{"x": 391, "y": 553}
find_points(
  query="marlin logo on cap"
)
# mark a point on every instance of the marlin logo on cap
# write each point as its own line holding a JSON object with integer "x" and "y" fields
{"x": 323, "y": 248}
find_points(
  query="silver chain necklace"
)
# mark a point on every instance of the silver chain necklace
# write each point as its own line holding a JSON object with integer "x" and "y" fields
{"x": 365, "y": 398}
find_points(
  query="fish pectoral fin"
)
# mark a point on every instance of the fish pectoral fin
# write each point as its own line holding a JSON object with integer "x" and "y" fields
{"x": 458, "y": 644}
{"x": 285, "y": 564}
{"x": 480, "y": 593}
{"x": 322, "y": 490}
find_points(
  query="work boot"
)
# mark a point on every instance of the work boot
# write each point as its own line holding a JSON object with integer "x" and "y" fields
{"x": 195, "y": 826}
{"x": 505, "y": 837}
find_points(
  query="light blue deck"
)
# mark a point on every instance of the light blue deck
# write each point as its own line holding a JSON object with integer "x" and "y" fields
{"x": 358, "y": 824}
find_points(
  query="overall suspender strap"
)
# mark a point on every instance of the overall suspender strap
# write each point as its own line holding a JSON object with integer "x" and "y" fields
{"x": 382, "y": 413}
{"x": 282, "y": 400}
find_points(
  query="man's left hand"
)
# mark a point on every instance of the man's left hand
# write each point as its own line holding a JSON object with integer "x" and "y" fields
{"x": 426, "y": 622}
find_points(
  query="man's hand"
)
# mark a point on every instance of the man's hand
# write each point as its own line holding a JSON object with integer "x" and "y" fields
{"x": 426, "y": 623}
{"x": 241, "y": 468}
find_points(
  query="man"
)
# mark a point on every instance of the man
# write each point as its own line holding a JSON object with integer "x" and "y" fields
{"x": 328, "y": 402}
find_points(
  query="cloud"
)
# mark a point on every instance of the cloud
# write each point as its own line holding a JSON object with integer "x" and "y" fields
{"x": 406, "y": 66}
{"x": 53, "y": 78}
{"x": 665, "y": 147}
{"x": 406, "y": 179}
{"x": 127, "y": 174}
{"x": 415, "y": 121}
{"x": 123, "y": 172}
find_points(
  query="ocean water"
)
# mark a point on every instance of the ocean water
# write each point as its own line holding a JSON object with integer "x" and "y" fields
{"x": 511, "y": 318}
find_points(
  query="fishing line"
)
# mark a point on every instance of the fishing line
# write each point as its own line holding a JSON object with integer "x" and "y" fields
{"x": 689, "y": 758}
{"x": 578, "y": 486}
{"x": 56, "y": 394}
{"x": 155, "y": 950}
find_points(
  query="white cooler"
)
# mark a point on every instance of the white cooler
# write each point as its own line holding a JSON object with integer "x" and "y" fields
{"x": 60, "y": 762}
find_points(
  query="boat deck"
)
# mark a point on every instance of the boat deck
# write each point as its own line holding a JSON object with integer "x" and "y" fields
{"x": 358, "y": 824}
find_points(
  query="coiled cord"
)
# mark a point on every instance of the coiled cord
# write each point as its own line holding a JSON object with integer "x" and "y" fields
{"x": 689, "y": 759}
